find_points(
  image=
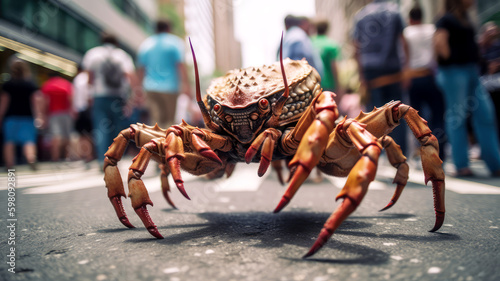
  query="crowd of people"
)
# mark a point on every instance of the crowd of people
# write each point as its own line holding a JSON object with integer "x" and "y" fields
{"x": 440, "y": 69}
{"x": 109, "y": 92}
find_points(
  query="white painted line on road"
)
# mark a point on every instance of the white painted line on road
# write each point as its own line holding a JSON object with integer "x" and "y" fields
{"x": 152, "y": 183}
{"x": 452, "y": 184}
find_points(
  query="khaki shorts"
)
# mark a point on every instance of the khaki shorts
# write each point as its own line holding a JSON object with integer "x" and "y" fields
{"x": 161, "y": 108}
{"x": 60, "y": 125}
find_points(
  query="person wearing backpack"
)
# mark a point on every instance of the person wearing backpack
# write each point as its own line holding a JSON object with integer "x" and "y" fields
{"x": 111, "y": 75}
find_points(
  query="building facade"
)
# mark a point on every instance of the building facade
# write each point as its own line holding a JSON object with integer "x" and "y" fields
{"x": 54, "y": 34}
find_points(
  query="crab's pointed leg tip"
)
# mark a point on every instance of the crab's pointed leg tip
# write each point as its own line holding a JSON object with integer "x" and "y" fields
{"x": 284, "y": 201}
{"x": 124, "y": 220}
{"x": 388, "y": 206}
{"x": 315, "y": 248}
{"x": 438, "y": 224}
{"x": 310, "y": 253}
{"x": 212, "y": 156}
{"x": 154, "y": 231}
{"x": 180, "y": 186}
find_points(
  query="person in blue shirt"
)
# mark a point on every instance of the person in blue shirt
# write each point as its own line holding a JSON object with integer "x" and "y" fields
{"x": 162, "y": 72}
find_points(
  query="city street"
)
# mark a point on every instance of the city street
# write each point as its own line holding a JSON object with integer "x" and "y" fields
{"x": 66, "y": 229}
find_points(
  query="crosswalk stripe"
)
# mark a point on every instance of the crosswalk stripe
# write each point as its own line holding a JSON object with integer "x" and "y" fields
{"x": 244, "y": 179}
{"x": 452, "y": 184}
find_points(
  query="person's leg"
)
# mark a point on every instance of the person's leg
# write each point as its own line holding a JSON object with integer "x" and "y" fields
{"x": 9, "y": 147}
{"x": 170, "y": 102}
{"x": 28, "y": 135}
{"x": 483, "y": 118}
{"x": 55, "y": 129}
{"x": 101, "y": 126}
{"x": 454, "y": 83}
{"x": 9, "y": 154}
{"x": 29, "y": 150}
{"x": 153, "y": 104}
{"x": 432, "y": 96}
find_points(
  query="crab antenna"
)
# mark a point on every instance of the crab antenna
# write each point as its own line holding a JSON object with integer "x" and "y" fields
{"x": 203, "y": 109}
{"x": 285, "y": 94}
{"x": 282, "y": 99}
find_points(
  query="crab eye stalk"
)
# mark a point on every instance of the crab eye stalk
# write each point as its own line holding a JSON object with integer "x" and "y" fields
{"x": 217, "y": 108}
{"x": 264, "y": 104}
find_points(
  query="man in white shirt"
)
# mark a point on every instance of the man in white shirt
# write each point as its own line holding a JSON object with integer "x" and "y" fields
{"x": 111, "y": 74}
{"x": 423, "y": 90}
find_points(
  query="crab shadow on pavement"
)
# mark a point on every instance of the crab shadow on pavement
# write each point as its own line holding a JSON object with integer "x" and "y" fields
{"x": 269, "y": 230}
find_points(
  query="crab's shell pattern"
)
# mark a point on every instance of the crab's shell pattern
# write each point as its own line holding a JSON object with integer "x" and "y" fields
{"x": 241, "y": 88}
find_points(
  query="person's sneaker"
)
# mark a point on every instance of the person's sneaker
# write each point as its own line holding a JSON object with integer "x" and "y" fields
{"x": 33, "y": 166}
{"x": 464, "y": 173}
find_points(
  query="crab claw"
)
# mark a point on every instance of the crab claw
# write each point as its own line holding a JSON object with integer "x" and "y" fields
{"x": 202, "y": 147}
{"x": 143, "y": 213}
{"x": 174, "y": 153}
{"x": 277, "y": 166}
{"x": 175, "y": 168}
{"x": 116, "y": 201}
{"x": 267, "y": 140}
{"x": 312, "y": 145}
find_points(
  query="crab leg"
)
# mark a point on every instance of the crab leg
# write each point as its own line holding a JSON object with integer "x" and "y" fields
{"x": 165, "y": 187}
{"x": 137, "y": 191}
{"x": 112, "y": 176}
{"x": 356, "y": 185}
{"x": 312, "y": 145}
{"x": 398, "y": 161}
{"x": 174, "y": 153}
{"x": 278, "y": 167}
{"x": 267, "y": 139}
{"x": 429, "y": 153}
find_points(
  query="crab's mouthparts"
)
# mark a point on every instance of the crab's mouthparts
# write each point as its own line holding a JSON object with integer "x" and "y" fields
{"x": 243, "y": 131}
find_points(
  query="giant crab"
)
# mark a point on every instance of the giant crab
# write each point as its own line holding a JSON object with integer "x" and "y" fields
{"x": 265, "y": 114}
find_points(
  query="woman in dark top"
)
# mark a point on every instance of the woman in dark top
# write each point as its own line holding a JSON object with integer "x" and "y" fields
{"x": 458, "y": 76}
{"x": 17, "y": 108}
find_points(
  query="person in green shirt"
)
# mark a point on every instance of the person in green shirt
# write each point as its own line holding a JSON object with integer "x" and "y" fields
{"x": 329, "y": 52}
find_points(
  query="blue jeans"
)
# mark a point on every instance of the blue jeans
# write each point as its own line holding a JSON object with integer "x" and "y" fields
{"x": 382, "y": 95}
{"x": 423, "y": 92}
{"x": 466, "y": 97}
{"x": 107, "y": 121}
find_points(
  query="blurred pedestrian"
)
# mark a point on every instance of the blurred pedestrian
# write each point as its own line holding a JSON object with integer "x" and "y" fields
{"x": 489, "y": 43}
{"x": 111, "y": 74}
{"x": 57, "y": 92}
{"x": 423, "y": 90}
{"x": 19, "y": 110}
{"x": 458, "y": 76}
{"x": 161, "y": 69}
{"x": 329, "y": 52}
{"x": 83, "y": 121}
{"x": 297, "y": 44}
{"x": 378, "y": 38}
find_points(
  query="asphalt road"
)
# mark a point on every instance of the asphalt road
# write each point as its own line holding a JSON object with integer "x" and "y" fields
{"x": 66, "y": 229}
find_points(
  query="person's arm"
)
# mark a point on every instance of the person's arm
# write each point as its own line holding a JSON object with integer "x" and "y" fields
{"x": 406, "y": 64}
{"x": 39, "y": 106}
{"x": 185, "y": 86}
{"x": 4, "y": 105}
{"x": 357, "y": 57}
{"x": 441, "y": 45}
{"x": 339, "y": 91}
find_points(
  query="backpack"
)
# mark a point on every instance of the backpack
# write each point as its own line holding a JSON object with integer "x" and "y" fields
{"x": 113, "y": 72}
